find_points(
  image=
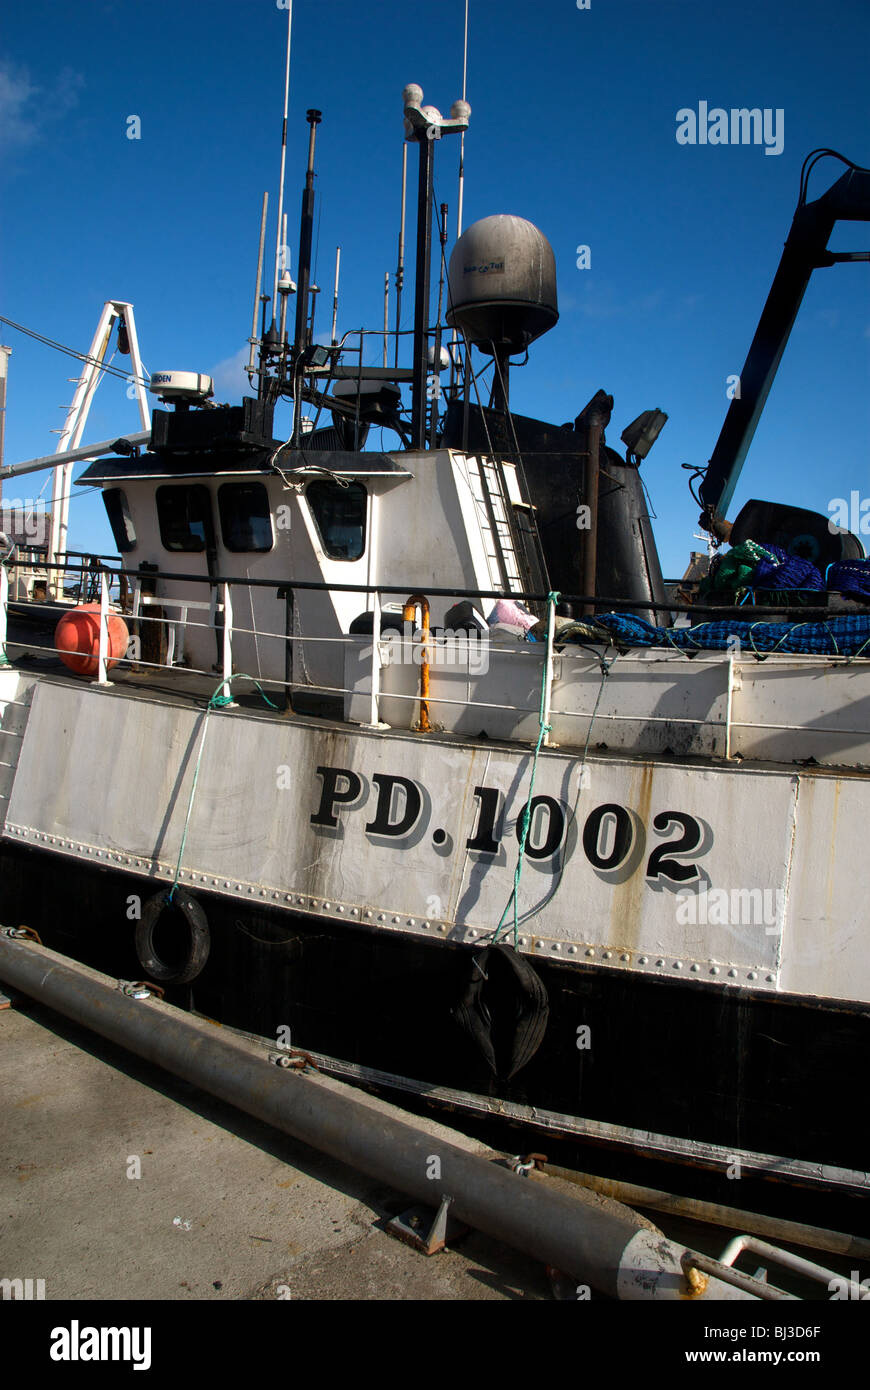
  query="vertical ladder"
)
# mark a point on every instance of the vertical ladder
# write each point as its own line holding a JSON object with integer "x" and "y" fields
{"x": 495, "y": 520}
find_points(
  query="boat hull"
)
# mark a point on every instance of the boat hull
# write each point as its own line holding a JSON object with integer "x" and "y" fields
{"x": 747, "y": 1084}
{"x": 352, "y": 882}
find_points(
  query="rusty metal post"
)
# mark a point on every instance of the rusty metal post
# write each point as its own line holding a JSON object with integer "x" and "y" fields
{"x": 408, "y": 614}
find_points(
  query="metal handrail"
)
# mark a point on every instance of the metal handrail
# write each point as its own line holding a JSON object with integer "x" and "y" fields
{"x": 601, "y": 602}
{"x": 221, "y": 606}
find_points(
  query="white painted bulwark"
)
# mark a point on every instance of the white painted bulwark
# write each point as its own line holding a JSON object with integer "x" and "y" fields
{"x": 793, "y": 708}
{"x": 784, "y": 709}
{"x": 14, "y": 705}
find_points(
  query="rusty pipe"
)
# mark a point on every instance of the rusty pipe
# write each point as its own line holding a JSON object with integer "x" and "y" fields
{"x": 408, "y": 615}
{"x": 756, "y": 1223}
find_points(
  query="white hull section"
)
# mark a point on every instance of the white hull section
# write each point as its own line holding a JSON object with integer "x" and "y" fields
{"x": 749, "y": 877}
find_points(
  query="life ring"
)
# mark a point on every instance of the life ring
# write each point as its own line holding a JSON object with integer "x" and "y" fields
{"x": 504, "y": 1009}
{"x": 200, "y": 937}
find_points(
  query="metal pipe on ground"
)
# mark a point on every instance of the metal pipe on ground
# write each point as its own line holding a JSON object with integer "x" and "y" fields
{"x": 599, "y": 1247}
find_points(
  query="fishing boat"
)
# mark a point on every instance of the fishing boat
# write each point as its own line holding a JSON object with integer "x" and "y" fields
{"x": 410, "y": 759}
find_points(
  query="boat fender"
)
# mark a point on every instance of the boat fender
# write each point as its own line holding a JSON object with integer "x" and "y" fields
{"x": 504, "y": 1009}
{"x": 77, "y": 639}
{"x": 200, "y": 937}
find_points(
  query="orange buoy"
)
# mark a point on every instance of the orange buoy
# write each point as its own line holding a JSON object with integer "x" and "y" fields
{"x": 77, "y": 639}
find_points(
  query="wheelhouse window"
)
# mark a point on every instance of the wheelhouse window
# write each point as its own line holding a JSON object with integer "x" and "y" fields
{"x": 184, "y": 516}
{"x": 340, "y": 515}
{"x": 120, "y": 520}
{"x": 246, "y": 521}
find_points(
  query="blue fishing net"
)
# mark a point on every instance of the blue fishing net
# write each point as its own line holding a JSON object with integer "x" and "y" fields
{"x": 842, "y": 635}
{"x": 784, "y": 571}
{"x": 849, "y": 577}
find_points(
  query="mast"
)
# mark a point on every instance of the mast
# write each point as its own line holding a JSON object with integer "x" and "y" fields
{"x": 314, "y": 291}
{"x": 425, "y": 124}
{"x": 254, "y": 340}
{"x": 271, "y": 344}
{"x": 306, "y": 234}
{"x": 335, "y": 296}
{"x": 461, "y": 192}
{"x": 280, "y": 226}
{"x": 5, "y": 353}
{"x": 284, "y": 284}
{"x": 436, "y": 361}
{"x": 462, "y": 136}
{"x": 421, "y": 292}
{"x": 400, "y": 266}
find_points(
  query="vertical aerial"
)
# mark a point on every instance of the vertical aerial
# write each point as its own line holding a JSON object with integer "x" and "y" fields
{"x": 279, "y": 248}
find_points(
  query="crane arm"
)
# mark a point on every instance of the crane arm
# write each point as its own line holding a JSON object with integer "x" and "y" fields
{"x": 805, "y": 251}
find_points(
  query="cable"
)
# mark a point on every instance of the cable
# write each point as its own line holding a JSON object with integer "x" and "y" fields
{"x": 812, "y": 160}
{"x": 696, "y": 473}
{"x": 71, "y": 352}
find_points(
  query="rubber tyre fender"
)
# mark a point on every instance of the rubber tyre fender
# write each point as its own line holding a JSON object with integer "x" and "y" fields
{"x": 200, "y": 937}
{"x": 500, "y": 976}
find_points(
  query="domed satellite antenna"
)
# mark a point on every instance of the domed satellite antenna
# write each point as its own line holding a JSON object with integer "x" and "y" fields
{"x": 502, "y": 290}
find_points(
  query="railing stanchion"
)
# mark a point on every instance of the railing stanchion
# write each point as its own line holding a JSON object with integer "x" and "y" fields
{"x": 4, "y": 606}
{"x": 228, "y": 635}
{"x": 374, "y": 716}
{"x": 548, "y": 673}
{"x": 285, "y": 592}
{"x": 103, "y": 649}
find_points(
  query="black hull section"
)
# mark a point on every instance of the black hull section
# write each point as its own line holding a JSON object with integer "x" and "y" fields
{"x": 740, "y": 1070}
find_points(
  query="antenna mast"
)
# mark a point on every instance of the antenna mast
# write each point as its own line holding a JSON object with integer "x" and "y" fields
{"x": 306, "y": 227}
{"x": 284, "y": 283}
{"x": 254, "y": 340}
{"x": 278, "y": 246}
{"x": 335, "y": 296}
{"x": 5, "y": 354}
{"x": 436, "y": 358}
{"x": 462, "y": 136}
{"x": 461, "y": 189}
{"x": 400, "y": 266}
{"x": 425, "y": 125}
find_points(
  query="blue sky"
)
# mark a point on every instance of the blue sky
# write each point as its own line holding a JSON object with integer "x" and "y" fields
{"x": 573, "y": 126}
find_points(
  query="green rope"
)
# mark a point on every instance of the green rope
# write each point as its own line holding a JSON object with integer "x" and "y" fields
{"x": 543, "y": 730}
{"x": 217, "y": 701}
{"x": 855, "y": 655}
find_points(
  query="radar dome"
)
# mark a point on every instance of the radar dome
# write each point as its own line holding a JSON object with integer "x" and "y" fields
{"x": 502, "y": 281}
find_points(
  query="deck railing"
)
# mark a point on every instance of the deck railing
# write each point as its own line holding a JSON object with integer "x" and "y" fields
{"x": 218, "y": 617}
